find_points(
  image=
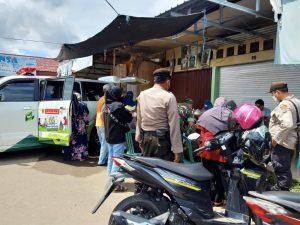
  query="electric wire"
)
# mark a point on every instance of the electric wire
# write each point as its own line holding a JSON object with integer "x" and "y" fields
{"x": 30, "y": 40}
{"x": 112, "y": 7}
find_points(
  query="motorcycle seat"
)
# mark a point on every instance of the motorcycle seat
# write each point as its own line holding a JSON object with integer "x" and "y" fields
{"x": 284, "y": 198}
{"x": 194, "y": 171}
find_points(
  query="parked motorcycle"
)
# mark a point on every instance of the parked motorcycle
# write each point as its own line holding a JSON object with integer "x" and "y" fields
{"x": 275, "y": 208}
{"x": 172, "y": 193}
{"x": 180, "y": 193}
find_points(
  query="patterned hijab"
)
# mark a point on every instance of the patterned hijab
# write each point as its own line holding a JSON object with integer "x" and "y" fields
{"x": 216, "y": 118}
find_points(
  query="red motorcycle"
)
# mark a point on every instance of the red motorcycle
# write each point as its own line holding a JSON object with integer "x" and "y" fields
{"x": 275, "y": 207}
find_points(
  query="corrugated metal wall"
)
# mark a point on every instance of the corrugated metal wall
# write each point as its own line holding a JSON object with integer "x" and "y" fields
{"x": 246, "y": 83}
{"x": 194, "y": 84}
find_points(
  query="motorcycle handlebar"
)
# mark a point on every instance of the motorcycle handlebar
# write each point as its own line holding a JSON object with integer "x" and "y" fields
{"x": 199, "y": 149}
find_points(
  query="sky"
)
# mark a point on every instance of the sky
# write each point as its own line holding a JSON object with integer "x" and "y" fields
{"x": 64, "y": 21}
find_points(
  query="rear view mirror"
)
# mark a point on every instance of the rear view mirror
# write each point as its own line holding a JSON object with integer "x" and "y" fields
{"x": 193, "y": 136}
{"x": 1, "y": 97}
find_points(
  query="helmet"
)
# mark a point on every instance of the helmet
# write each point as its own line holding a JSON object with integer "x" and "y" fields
{"x": 247, "y": 115}
{"x": 197, "y": 113}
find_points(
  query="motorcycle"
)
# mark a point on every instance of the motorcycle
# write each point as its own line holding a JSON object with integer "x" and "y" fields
{"x": 180, "y": 193}
{"x": 275, "y": 208}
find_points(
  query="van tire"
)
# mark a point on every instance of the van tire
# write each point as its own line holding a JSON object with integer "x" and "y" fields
{"x": 94, "y": 144}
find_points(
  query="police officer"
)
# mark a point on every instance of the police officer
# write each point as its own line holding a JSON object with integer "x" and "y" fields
{"x": 283, "y": 125}
{"x": 157, "y": 128}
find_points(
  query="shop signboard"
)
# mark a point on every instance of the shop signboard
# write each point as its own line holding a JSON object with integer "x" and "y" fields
{"x": 17, "y": 65}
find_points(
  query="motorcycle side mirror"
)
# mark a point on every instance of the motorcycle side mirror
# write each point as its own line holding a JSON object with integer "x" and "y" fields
{"x": 193, "y": 136}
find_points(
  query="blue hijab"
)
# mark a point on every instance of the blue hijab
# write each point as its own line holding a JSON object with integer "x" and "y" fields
{"x": 128, "y": 99}
{"x": 207, "y": 104}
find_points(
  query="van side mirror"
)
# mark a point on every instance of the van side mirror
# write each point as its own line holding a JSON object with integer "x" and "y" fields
{"x": 1, "y": 97}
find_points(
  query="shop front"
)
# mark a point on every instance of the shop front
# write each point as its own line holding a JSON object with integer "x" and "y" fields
{"x": 249, "y": 82}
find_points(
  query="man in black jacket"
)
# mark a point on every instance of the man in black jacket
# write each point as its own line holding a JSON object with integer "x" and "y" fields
{"x": 116, "y": 118}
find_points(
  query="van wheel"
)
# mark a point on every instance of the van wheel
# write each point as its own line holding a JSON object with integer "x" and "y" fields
{"x": 94, "y": 144}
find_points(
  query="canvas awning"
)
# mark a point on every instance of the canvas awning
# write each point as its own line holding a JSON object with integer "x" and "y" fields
{"x": 128, "y": 30}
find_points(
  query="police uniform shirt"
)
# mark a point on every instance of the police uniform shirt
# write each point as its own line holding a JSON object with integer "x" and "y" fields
{"x": 157, "y": 109}
{"x": 283, "y": 122}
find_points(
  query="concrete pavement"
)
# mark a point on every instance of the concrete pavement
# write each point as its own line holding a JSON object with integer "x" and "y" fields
{"x": 39, "y": 188}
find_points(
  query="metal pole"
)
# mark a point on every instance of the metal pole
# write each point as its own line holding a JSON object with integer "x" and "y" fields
{"x": 114, "y": 61}
{"x": 257, "y": 6}
{"x": 221, "y": 19}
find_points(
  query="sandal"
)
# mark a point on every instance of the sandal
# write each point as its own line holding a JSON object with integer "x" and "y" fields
{"x": 121, "y": 188}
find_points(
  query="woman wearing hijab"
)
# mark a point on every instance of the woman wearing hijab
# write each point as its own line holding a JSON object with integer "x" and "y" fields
{"x": 128, "y": 99}
{"x": 207, "y": 105}
{"x": 116, "y": 118}
{"x": 210, "y": 123}
{"x": 78, "y": 149}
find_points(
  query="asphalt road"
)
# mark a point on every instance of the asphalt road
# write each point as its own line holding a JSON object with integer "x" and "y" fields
{"x": 39, "y": 188}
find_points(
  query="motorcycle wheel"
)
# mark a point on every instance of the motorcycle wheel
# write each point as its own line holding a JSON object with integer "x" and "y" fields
{"x": 140, "y": 205}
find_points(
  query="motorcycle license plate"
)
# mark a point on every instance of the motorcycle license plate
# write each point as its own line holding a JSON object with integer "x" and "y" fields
{"x": 110, "y": 186}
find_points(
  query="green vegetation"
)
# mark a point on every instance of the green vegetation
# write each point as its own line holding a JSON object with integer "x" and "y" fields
{"x": 295, "y": 186}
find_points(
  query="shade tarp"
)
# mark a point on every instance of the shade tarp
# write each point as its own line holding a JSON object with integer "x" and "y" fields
{"x": 128, "y": 30}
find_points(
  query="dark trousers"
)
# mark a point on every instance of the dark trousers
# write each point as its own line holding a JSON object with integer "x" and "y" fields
{"x": 217, "y": 190}
{"x": 157, "y": 147}
{"x": 281, "y": 159}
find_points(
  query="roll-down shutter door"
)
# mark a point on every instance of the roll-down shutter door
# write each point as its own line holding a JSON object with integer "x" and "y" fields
{"x": 246, "y": 83}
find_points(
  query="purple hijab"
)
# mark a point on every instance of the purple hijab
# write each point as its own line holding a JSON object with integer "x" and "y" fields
{"x": 216, "y": 118}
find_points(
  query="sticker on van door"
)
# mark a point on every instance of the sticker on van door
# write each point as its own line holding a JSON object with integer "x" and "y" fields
{"x": 29, "y": 116}
{"x": 54, "y": 122}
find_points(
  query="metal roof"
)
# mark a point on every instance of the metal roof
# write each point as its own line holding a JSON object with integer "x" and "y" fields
{"x": 219, "y": 30}
{"x": 234, "y": 27}
{"x": 269, "y": 30}
{"x": 191, "y": 6}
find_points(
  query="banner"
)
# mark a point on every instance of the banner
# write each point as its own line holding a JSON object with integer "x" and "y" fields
{"x": 11, "y": 65}
{"x": 55, "y": 122}
{"x": 67, "y": 67}
{"x": 288, "y": 34}
{"x": 189, "y": 57}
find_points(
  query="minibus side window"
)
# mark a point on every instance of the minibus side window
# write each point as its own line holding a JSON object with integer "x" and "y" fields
{"x": 53, "y": 90}
{"x": 17, "y": 91}
{"x": 91, "y": 91}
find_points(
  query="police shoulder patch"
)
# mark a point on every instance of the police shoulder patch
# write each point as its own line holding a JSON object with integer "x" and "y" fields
{"x": 284, "y": 107}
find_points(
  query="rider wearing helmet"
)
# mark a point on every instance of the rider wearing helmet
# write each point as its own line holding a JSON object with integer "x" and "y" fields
{"x": 247, "y": 116}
